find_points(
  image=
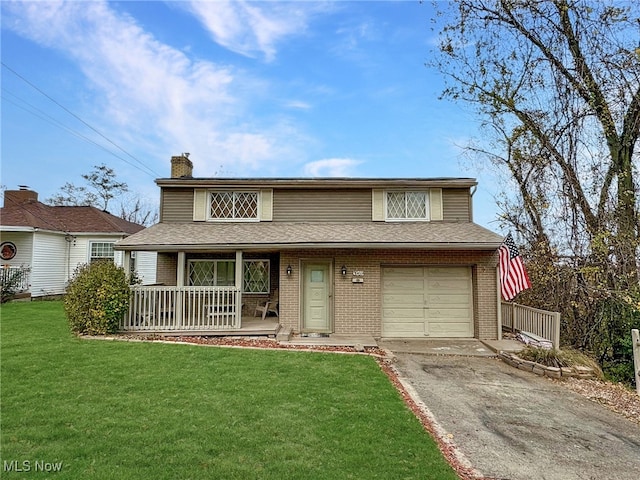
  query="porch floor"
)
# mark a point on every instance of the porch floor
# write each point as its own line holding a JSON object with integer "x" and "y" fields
{"x": 250, "y": 326}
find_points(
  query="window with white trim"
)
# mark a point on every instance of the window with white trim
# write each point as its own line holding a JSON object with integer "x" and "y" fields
{"x": 101, "y": 251}
{"x": 233, "y": 205}
{"x": 212, "y": 273}
{"x": 222, "y": 273}
{"x": 407, "y": 205}
{"x": 256, "y": 276}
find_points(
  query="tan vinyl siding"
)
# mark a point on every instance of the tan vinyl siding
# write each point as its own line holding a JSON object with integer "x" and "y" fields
{"x": 291, "y": 205}
{"x": 456, "y": 205}
{"x": 177, "y": 205}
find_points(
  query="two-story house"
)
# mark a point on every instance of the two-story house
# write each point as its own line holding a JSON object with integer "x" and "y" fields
{"x": 382, "y": 257}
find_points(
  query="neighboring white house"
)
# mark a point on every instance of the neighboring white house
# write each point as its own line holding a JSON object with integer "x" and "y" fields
{"x": 49, "y": 242}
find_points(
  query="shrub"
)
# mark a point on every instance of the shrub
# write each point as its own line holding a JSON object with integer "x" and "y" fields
{"x": 11, "y": 281}
{"x": 97, "y": 298}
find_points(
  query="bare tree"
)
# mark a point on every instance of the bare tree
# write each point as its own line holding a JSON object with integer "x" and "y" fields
{"x": 103, "y": 181}
{"x": 557, "y": 84}
{"x": 102, "y": 187}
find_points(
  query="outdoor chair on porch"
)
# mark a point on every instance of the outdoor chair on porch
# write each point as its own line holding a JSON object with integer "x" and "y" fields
{"x": 270, "y": 306}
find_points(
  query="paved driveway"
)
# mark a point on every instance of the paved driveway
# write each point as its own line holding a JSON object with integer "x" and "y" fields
{"x": 515, "y": 425}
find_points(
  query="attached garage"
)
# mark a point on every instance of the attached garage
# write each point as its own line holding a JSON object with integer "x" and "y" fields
{"x": 420, "y": 302}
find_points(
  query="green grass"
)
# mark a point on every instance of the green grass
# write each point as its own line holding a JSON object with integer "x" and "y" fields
{"x": 140, "y": 410}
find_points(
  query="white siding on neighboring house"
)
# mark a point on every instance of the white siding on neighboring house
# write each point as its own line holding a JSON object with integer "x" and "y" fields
{"x": 145, "y": 265}
{"x": 80, "y": 251}
{"x": 24, "y": 244}
{"x": 48, "y": 272}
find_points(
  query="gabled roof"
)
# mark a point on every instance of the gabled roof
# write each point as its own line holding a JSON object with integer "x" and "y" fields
{"x": 36, "y": 214}
{"x": 203, "y": 236}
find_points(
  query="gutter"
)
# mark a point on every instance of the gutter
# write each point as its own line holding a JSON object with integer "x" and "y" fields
{"x": 490, "y": 246}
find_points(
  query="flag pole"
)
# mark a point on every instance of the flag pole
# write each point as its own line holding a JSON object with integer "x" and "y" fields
{"x": 499, "y": 310}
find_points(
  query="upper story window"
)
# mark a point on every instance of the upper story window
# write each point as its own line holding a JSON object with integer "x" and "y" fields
{"x": 228, "y": 205}
{"x": 101, "y": 251}
{"x": 407, "y": 205}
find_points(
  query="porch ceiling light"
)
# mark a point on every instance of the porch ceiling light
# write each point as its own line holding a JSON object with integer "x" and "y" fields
{"x": 344, "y": 270}
{"x": 289, "y": 270}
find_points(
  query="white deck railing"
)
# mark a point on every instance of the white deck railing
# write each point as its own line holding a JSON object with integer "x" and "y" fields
{"x": 528, "y": 319}
{"x": 158, "y": 309}
{"x": 19, "y": 276}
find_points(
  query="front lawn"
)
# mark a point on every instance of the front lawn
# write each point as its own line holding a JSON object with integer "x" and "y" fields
{"x": 103, "y": 409}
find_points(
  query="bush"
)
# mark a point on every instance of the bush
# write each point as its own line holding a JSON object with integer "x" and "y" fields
{"x": 97, "y": 298}
{"x": 11, "y": 281}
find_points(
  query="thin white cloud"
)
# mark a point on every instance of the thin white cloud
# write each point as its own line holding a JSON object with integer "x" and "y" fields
{"x": 156, "y": 96}
{"x": 332, "y": 167}
{"x": 298, "y": 105}
{"x": 253, "y": 29}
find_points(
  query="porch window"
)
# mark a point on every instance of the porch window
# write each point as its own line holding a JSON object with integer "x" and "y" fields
{"x": 407, "y": 206}
{"x": 233, "y": 205}
{"x": 101, "y": 251}
{"x": 256, "y": 276}
{"x": 212, "y": 273}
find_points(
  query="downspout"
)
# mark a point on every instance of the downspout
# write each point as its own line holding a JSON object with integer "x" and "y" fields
{"x": 68, "y": 238}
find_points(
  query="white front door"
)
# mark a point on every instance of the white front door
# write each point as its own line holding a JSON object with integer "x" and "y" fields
{"x": 316, "y": 294}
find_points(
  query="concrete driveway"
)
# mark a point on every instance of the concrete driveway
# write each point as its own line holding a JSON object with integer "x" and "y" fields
{"x": 514, "y": 425}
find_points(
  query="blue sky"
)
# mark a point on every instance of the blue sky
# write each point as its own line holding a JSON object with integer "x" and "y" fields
{"x": 249, "y": 89}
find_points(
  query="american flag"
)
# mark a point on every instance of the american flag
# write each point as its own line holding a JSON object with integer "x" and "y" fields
{"x": 513, "y": 275}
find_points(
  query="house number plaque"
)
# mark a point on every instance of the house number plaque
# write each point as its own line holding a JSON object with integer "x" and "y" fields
{"x": 358, "y": 276}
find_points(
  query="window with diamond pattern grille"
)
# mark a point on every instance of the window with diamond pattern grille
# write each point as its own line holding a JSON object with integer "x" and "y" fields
{"x": 407, "y": 206}
{"x": 234, "y": 205}
{"x": 256, "y": 276}
{"x": 212, "y": 273}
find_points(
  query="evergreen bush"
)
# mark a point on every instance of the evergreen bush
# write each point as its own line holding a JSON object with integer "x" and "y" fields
{"x": 97, "y": 298}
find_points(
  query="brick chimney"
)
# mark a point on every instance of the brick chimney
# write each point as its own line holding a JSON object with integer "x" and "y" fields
{"x": 18, "y": 197}
{"x": 181, "y": 166}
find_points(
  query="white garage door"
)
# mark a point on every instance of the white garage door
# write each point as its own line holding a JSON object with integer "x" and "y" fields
{"x": 427, "y": 302}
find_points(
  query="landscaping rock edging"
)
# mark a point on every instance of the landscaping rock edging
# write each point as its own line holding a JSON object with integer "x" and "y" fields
{"x": 544, "y": 371}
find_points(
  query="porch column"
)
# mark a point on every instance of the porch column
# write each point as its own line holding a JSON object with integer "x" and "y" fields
{"x": 180, "y": 269}
{"x": 180, "y": 283}
{"x": 239, "y": 283}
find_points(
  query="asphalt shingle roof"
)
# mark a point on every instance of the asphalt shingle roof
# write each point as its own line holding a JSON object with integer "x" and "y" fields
{"x": 283, "y": 235}
{"x": 64, "y": 219}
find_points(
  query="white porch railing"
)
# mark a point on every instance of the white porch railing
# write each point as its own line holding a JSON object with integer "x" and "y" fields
{"x": 157, "y": 309}
{"x": 18, "y": 276}
{"x": 528, "y": 319}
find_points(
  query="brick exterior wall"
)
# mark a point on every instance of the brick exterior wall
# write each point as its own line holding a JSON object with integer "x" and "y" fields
{"x": 357, "y": 306}
{"x": 167, "y": 269}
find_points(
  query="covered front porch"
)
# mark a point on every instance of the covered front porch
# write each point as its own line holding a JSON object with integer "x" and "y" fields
{"x": 212, "y": 293}
{"x": 176, "y": 310}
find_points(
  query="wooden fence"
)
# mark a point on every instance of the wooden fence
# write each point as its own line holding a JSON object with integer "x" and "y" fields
{"x": 528, "y": 319}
